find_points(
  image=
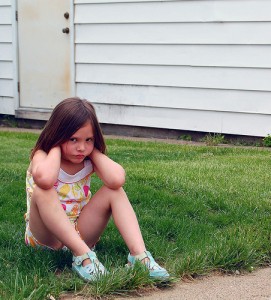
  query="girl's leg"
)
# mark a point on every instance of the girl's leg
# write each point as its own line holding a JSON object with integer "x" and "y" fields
{"x": 50, "y": 225}
{"x": 95, "y": 215}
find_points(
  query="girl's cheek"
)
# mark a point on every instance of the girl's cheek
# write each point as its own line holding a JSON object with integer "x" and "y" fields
{"x": 63, "y": 146}
{"x": 91, "y": 149}
{"x": 64, "y": 149}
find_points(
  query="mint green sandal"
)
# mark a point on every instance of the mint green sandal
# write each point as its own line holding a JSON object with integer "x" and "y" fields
{"x": 90, "y": 272}
{"x": 155, "y": 271}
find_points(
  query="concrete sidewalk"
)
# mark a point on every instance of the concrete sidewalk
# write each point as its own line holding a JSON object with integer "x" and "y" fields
{"x": 251, "y": 286}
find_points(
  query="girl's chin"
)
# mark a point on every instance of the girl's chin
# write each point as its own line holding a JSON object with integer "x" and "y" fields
{"x": 74, "y": 159}
{"x": 79, "y": 157}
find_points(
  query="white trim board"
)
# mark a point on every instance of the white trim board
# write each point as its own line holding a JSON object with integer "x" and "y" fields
{"x": 206, "y": 121}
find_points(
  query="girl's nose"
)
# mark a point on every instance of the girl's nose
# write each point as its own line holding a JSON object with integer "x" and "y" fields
{"x": 81, "y": 147}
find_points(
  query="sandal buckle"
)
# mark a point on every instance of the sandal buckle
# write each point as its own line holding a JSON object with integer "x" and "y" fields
{"x": 78, "y": 260}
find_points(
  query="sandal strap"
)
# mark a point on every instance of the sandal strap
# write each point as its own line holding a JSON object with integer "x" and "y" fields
{"x": 155, "y": 270}
{"x": 79, "y": 259}
{"x": 152, "y": 264}
{"x": 141, "y": 256}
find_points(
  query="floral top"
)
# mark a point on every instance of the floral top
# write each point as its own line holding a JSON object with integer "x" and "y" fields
{"x": 73, "y": 190}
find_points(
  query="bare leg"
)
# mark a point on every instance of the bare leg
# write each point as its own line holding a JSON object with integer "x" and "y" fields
{"x": 50, "y": 224}
{"x": 95, "y": 215}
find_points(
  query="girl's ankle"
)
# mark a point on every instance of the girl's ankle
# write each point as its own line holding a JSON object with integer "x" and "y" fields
{"x": 86, "y": 262}
{"x": 138, "y": 253}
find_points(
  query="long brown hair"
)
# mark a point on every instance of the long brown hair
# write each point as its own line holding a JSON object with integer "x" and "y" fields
{"x": 67, "y": 117}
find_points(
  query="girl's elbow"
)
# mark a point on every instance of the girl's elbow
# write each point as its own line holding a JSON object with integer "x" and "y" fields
{"x": 120, "y": 182}
{"x": 117, "y": 182}
{"x": 122, "y": 178}
{"x": 44, "y": 183}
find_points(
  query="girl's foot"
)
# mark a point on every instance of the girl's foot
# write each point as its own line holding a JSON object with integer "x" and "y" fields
{"x": 91, "y": 271}
{"x": 146, "y": 258}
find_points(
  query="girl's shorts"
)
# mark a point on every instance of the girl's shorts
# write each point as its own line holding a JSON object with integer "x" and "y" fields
{"x": 31, "y": 241}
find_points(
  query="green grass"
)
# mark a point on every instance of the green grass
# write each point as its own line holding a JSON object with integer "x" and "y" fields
{"x": 200, "y": 209}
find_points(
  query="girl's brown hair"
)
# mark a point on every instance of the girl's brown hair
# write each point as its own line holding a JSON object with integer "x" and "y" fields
{"x": 67, "y": 117}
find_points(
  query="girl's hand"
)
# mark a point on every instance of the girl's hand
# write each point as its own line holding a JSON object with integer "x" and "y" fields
{"x": 111, "y": 173}
{"x": 45, "y": 167}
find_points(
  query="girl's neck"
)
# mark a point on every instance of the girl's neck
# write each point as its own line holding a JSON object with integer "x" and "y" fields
{"x": 71, "y": 168}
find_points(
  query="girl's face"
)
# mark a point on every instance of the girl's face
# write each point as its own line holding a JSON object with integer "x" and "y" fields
{"x": 80, "y": 145}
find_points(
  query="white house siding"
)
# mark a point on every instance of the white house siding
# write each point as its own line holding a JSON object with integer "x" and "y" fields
{"x": 7, "y": 67}
{"x": 202, "y": 65}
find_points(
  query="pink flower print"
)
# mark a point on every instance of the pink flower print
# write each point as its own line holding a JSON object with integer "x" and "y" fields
{"x": 86, "y": 190}
{"x": 64, "y": 206}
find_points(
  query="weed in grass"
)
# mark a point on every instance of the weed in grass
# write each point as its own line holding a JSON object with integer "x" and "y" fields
{"x": 214, "y": 139}
{"x": 245, "y": 142}
{"x": 186, "y": 137}
{"x": 267, "y": 141}
{"x": 9, "y": 121}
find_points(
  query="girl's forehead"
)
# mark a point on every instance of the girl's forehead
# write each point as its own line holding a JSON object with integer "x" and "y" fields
{"x": 86, "y": 129}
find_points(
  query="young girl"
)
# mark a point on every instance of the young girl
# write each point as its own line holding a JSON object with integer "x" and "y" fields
{"x": 60, "y": 209}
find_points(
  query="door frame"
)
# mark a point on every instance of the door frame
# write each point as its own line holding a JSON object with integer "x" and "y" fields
{"x": 15, "y": 54}
{"x": 38, "y": 113}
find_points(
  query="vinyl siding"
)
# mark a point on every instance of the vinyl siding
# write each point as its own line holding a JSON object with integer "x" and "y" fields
{"x": 202, "y": 65}
{"x": 193, "y": 65}
{"x": 6, "y": 59}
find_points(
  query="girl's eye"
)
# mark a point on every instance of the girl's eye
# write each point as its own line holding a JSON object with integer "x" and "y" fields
{"x": 90, "y": 140}
{"x": 73, "y": 139}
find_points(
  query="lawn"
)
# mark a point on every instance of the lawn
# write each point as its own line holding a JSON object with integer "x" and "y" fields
{"x": 200, "y": 209}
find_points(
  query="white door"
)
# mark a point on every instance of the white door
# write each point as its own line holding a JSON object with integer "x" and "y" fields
{"x": 44, "y": 52}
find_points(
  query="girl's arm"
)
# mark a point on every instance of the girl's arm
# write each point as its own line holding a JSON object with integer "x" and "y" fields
{"x": 45, "y": 167}
{"x": 111, "y": 173}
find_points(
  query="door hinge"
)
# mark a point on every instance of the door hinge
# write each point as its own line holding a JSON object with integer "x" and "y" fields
{"x": 18, "y": 86}
{"x": 16, "y": 15}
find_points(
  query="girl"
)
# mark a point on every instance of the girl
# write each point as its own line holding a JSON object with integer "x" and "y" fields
{"x": 60, "y": 210}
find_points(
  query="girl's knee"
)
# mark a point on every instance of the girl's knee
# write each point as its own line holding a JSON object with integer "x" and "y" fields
{"x": 106, "y": 197}
{"x": 115, "y": 192}
{"x": 40, "y": 194}
{"x": 117, "y": 195}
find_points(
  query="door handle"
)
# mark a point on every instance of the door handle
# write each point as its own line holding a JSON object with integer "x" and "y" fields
{"x": 66, "y": 30}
